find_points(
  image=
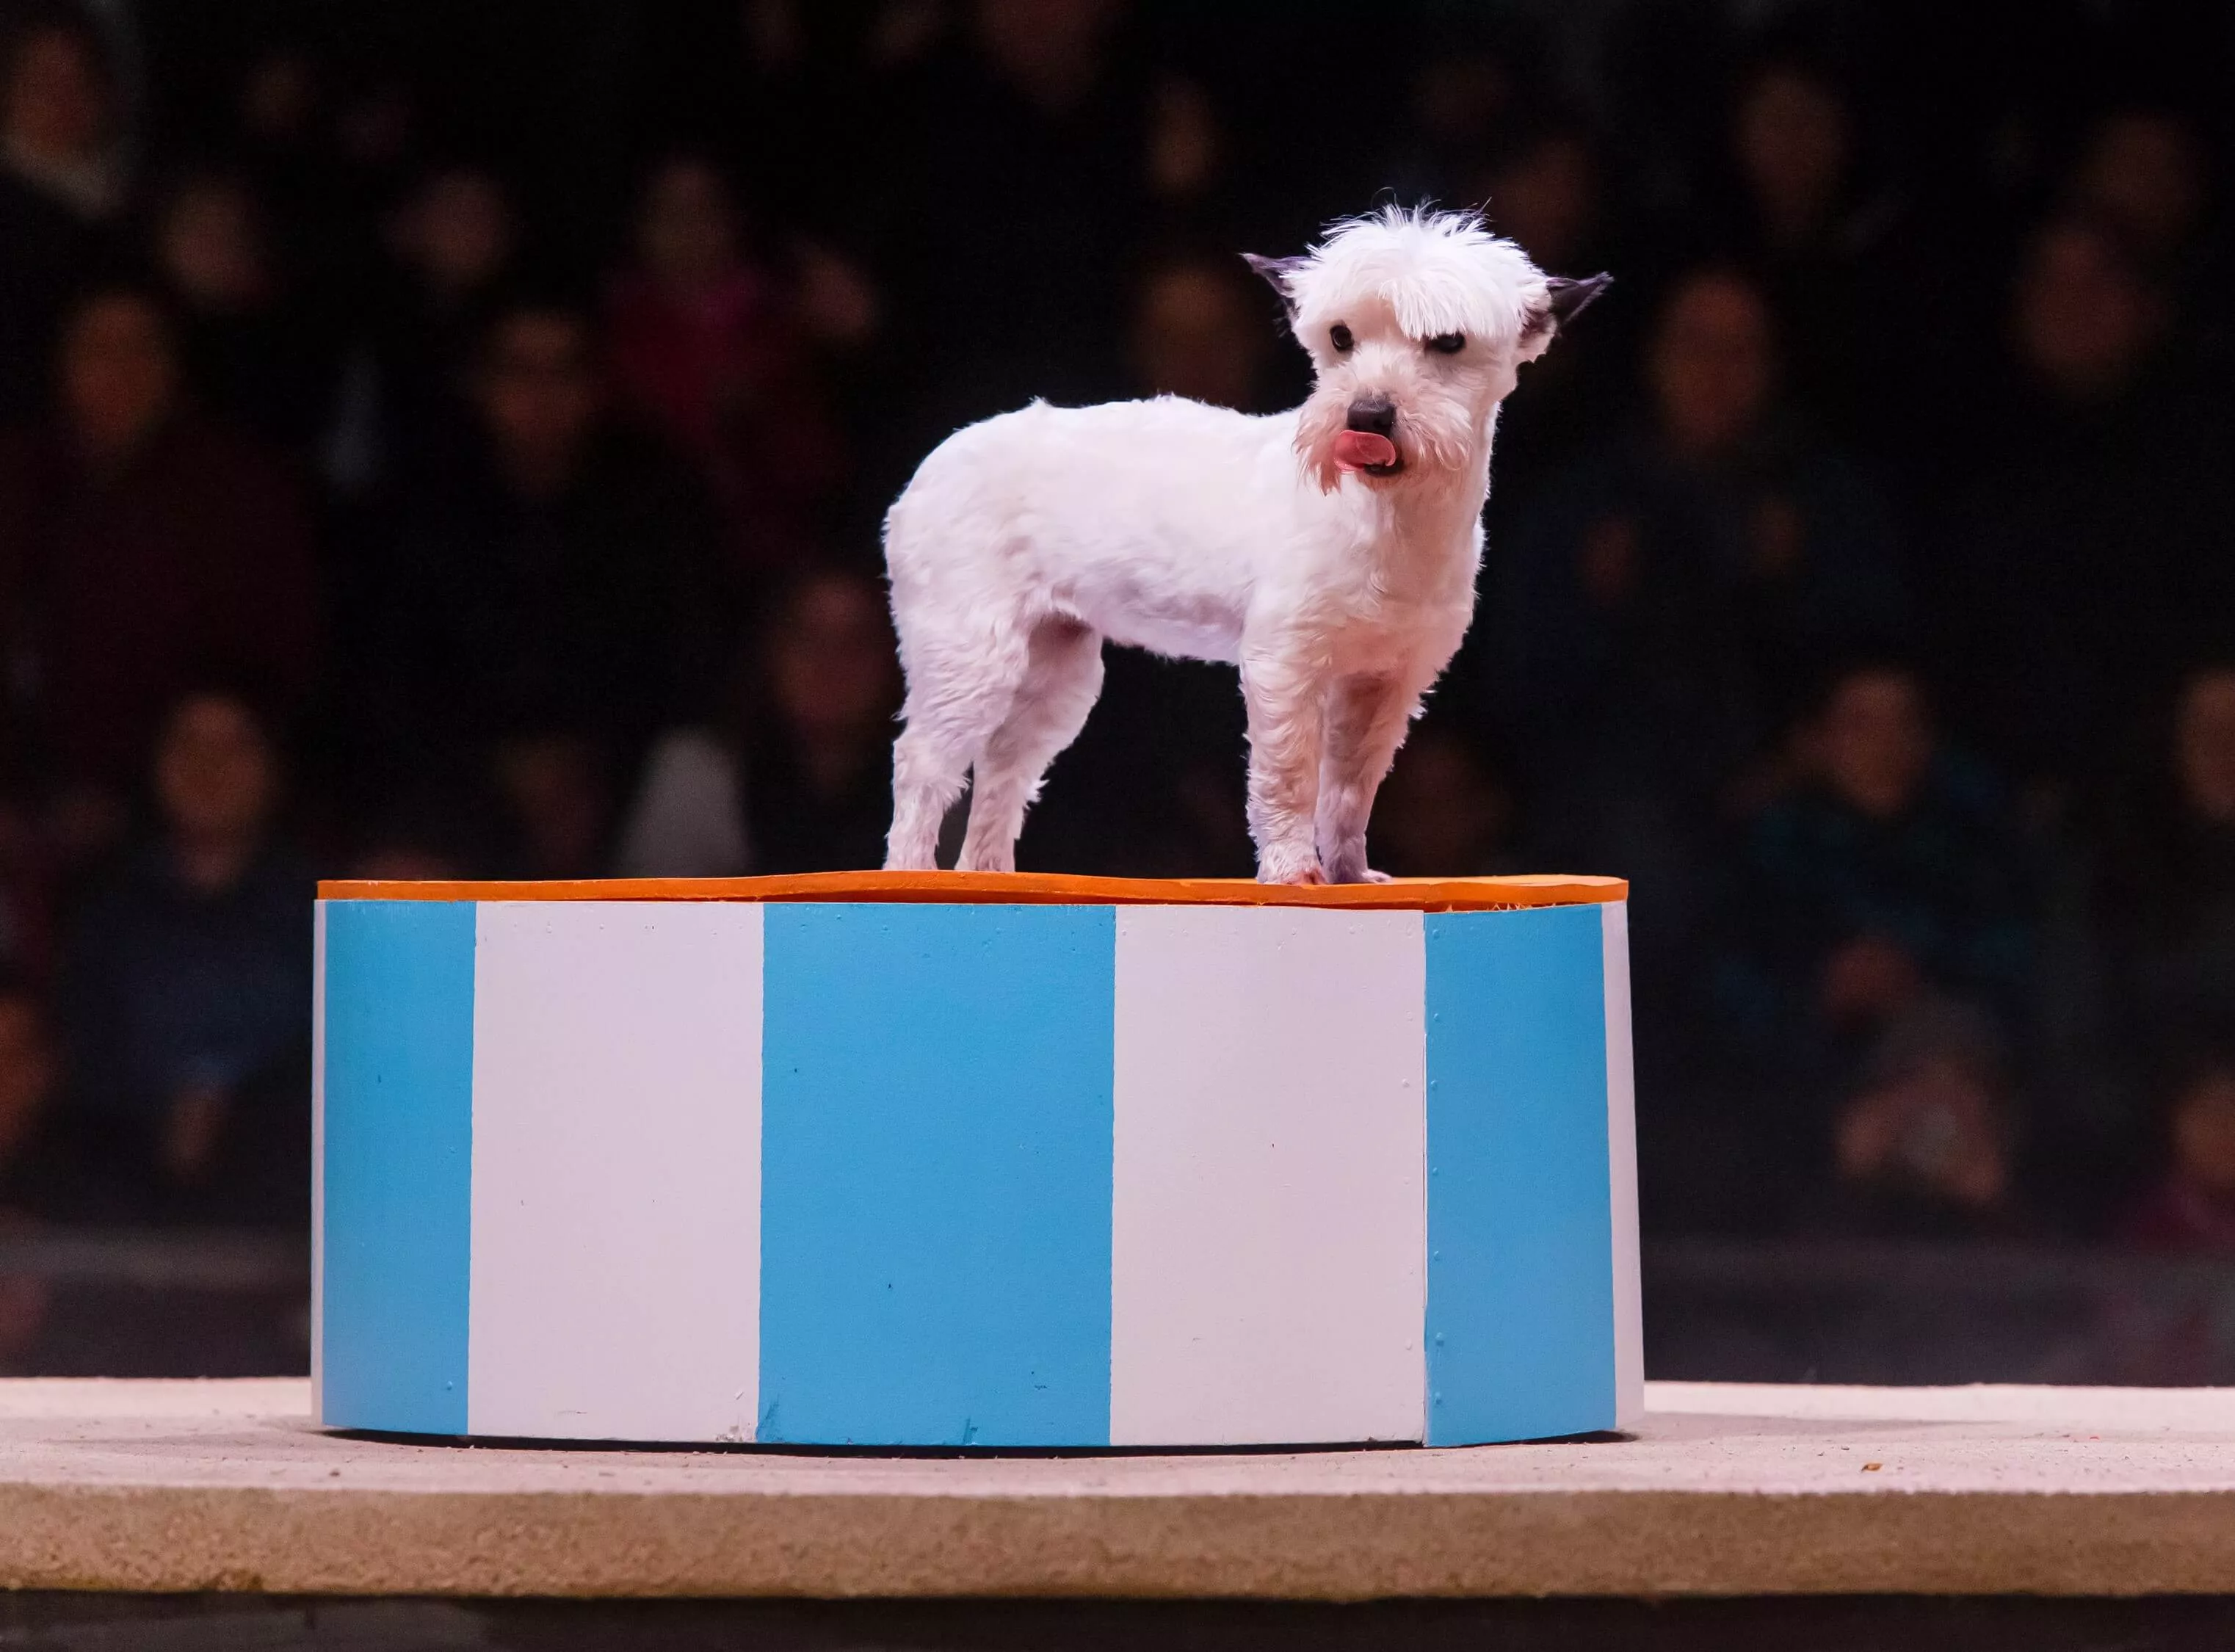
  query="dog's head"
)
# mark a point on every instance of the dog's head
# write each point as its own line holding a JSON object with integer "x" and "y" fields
{"x": 1417, "y": 324}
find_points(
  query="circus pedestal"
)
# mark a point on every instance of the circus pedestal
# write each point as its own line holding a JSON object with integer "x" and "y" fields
{"x": 951, "y": 1160}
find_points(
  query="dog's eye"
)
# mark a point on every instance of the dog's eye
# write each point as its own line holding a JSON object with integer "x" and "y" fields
{"x": 1339, "y": 336}
{"x": 1448, "y": 344}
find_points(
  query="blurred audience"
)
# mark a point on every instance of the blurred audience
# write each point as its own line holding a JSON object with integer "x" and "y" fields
{"x": 1652, "y": 620}
{"x": 1546, "y": 188}
{"x": 1200, "y": 330}
{"x": 798, "y": 777}
{"x": 2193, "y": 1208}
{"x": 710, "y": 347}
{"x": 1889, "y": 870}
{"x": 36, "y": 1177}
{"x": 2166, "y": 905}
{"x": 449, "y": 245}
{"x": 553, "y": 791}
{"x": 2145, "y": 174}
{"x": 1923, "y": 1148}
{"x": 1825, "y": 239}
{"x": 141, "y": 544}
{"x": 1017, "y": 184}
{"x": 277, "y": 100}
{"x": 185, "y": 986}
{"x": 1909, "y": 359}
{"x": 556, "y": 578}
{"x": 2089, "y": 546}
{"x": 1442, "y": 812}
{"x": 1883, "y": 893}
{"x": 62, "y": 184}
{"x": 30, "y": 1175}
{"x": 250, "y": 354}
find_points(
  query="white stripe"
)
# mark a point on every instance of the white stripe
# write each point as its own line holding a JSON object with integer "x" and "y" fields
{"x": 1269, "y": 1227}
{"x": 1621, "y": 1165}
{"x": 317, "y": 1157}
{"x": 616, "y": 1187}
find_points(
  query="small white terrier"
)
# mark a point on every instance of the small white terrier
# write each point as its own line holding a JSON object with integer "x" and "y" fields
{"x": 1329, "y": 551}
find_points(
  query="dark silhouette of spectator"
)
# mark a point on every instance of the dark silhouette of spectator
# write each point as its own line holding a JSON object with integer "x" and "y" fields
{"x": 1653, "y": 617}
{"x": 449, "y": 246}
{"x": 1876, "y": 309}
{"x": 453, "y": 236}
{"x": 553, "y": 580}
{"x": 279, "y": 98}
{"x": 423, "y": 833}
{"x": 2145, "y": 174}
{"x": 1442, "y": 812}
{"x": 800, "y": 779}
{"x": 185, "y": 995}
{"x": 26, "y": 880}
{"x": 251, "y": 354}
{"x": 1190, "y": 162}
{"x": 31, "y": 1175}
{"x": 1923, "y": 1149}
{"x": 1473, "y": 87}
{"x": 143, "y": 544}
{"x": 1793, "y": 141}
{"x": 709, "y": 348}
{"x": 1888, "y": 876}
{"x": 2192, "y": 1206}
{"x": 2092, "y": 546}
{"x": 1545, "y": 188}
{"x": 2164, "y": 900}
{"x": 1019, "y": 187}
{"x": 1200, "y": 329}
{"x": 554, "y": 793}
{"x": 1827, "y": 239}
{"x": 60, "y": 185}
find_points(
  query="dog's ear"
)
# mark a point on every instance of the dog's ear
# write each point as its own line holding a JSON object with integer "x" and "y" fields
{"x": 1277, "y": 271}
{"x": 1564, "y": 301}
{"x": 1571, "y": 298}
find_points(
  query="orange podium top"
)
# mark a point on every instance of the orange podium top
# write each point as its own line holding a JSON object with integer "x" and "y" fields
{"x": 1023, "y": 888}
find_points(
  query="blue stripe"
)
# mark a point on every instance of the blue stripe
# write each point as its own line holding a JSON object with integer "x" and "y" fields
{"x": 399, "y": 1081}
{"x": 1520, "y": 1242}
{"x": 935, "y": 1174}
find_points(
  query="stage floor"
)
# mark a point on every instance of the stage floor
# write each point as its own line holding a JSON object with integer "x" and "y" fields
{"x": 1728, "y": 1490}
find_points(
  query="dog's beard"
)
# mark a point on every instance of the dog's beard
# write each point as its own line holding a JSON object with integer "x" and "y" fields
{"x": 1443, "y": 434}
{"x": 1319, "y": 428}
{"x": 1430, "y": 438}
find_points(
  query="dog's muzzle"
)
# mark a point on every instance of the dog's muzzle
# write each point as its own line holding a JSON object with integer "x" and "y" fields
{"x": 1365, "y": 441}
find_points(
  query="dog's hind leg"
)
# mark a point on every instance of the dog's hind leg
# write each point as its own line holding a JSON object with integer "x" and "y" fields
{"x": 959, "y": 698}
{"x": 1061, "y": 685}
{"x": 927, "y": 777}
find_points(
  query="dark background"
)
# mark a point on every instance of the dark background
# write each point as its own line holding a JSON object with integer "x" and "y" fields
{"x": 448, "y": 440}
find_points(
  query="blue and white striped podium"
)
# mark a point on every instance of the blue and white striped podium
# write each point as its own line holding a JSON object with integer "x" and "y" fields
{"x": 951, "y": 1160}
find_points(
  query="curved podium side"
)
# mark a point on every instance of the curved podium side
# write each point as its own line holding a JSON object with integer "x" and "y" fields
{"x": 840, "y": 1169}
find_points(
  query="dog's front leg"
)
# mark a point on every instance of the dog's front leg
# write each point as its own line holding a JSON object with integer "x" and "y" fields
{"x": 1284, "y": 698}
{"x": 1366, "y": 719}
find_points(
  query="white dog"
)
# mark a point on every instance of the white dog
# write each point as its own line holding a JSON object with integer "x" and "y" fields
{"x": 1329, "y": 551}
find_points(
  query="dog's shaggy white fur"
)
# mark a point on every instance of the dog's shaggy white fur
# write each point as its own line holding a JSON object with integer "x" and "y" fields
{"x": 1330, "y": 551}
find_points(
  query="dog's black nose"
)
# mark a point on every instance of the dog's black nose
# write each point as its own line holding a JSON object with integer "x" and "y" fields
{"x": 1376, "y": 415}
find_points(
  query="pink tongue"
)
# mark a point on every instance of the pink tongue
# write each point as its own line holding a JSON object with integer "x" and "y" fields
{"x": 1356, "y": 450}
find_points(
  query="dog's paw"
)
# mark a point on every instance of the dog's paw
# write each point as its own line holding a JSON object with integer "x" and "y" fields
{"x": 1342, "y": 870}
{"x": 1294, "y": 870}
